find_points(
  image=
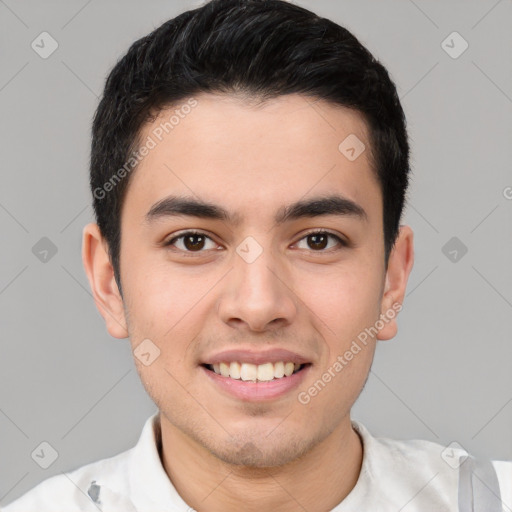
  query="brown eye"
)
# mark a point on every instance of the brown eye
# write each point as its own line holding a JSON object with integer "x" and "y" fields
{"x": 319, "y": 241}
{"x": 191, "y": 242}
{"x": 194, "y": 242}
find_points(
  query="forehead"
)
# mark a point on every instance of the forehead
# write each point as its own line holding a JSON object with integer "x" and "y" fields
{"x": 251, "y": 156}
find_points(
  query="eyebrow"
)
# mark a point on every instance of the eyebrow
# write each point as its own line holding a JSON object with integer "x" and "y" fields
{"x": 172, "y": 206}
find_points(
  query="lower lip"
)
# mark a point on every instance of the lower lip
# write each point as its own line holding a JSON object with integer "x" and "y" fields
{"x": 257, "y": 391}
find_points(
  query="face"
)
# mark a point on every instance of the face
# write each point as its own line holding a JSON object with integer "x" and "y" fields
{"x": 252, "y": 247}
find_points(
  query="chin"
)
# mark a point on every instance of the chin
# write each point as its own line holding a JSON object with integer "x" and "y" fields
{"x": 261, "y": 453}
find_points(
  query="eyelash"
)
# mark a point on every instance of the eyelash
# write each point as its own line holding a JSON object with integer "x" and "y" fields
{"x": 170, "y": 242}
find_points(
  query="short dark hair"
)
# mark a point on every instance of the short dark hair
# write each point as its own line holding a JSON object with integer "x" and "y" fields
{"x": 261, "y": 49}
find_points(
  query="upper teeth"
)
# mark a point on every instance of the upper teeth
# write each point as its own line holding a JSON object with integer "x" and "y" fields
{"x": 254, "y": 372}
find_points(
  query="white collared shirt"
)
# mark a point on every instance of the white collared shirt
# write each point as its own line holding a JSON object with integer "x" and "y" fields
{"x": 405, "y": 476}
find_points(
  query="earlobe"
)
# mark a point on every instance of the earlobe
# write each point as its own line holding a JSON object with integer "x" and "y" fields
{"x": 100, "y": 274}
{"x": 401, "y": 261}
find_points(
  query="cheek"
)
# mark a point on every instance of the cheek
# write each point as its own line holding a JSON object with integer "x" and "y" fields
{"x": 169, "y": 307}
{"x": 346, "y": 305}
{"x": 160, "y": 296}
{"x": 346, "y": 301}
{"x": 165, "y": 307}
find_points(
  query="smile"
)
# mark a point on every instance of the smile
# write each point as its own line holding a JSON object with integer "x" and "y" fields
{"x": 256, "y": 382}
{"x": 255, "y": 372}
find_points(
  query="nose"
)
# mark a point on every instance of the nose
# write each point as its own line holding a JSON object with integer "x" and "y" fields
{"x": 258, "y": 295}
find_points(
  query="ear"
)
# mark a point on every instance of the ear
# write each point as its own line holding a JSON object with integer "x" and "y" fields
{"x": 401, "y": 260}
{"x": 101, "y": 279}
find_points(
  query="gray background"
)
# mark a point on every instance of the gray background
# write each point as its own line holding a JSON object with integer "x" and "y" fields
{"x": 445, "y": 377}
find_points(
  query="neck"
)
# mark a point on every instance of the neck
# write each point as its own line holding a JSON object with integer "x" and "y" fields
{"x": 319, "y": 480}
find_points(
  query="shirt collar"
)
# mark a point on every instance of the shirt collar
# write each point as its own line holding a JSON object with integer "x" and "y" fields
{"x": 150, "y": 486}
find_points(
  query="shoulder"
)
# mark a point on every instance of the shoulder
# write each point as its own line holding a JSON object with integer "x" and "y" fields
{"x": 431, "y": 473}
{"x": 504, "y": 472}
{"x": 108, "y": 482}
{"x": 403, "y": 455}
{"x": 75, "y": 490}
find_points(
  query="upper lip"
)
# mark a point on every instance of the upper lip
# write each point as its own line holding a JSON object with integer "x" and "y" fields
{"x": 256, "y": 356}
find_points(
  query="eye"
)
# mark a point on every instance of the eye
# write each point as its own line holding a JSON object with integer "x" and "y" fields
{"x": 197, "y": 241}
{"x": 319, "y": 240}
{"x": 191, "y": 241}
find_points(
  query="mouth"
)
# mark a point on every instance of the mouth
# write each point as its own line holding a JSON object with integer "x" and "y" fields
{"x": 249, "y": 372}
{"x": 243, "y": 373}
{"x": 251, "y": 382}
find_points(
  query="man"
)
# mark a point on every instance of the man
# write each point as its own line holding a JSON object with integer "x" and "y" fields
{"x": 249, "y": 167}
